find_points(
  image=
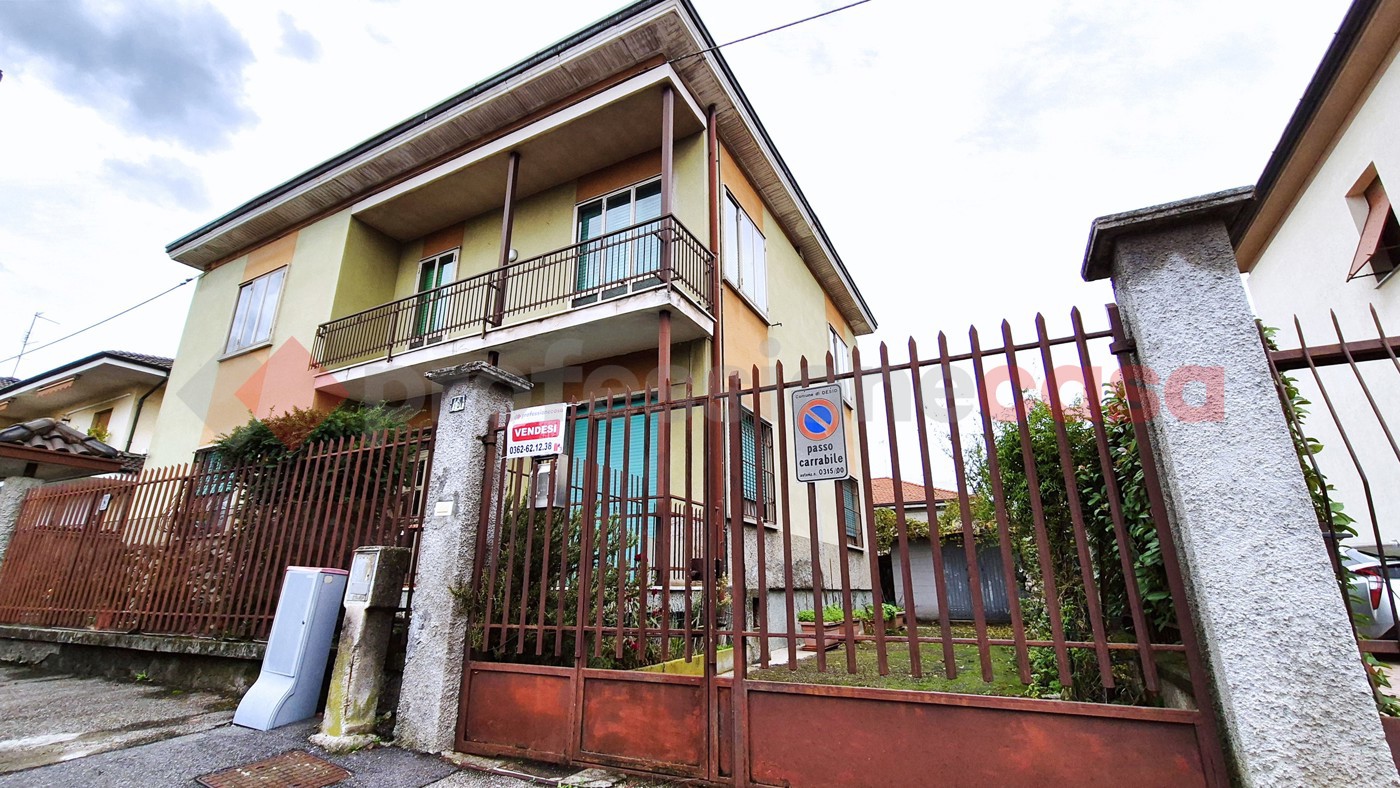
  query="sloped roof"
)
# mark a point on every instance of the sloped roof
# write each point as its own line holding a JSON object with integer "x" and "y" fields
{"x": 56, "y": 436}
{"x": 883, "y": 492}
{"x": 142, "y": 358}
{"x": 157, "y": 364}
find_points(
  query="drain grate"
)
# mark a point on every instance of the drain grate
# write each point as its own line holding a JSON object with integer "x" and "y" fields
{"x": 291, "y": 769}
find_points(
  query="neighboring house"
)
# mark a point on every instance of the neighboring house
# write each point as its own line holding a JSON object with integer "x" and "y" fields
{"x": 913, "y": 496}
{"x": 1322, "y": 238}
{"x": 916, "y": 502}
{"x": 114, "y": 396}
{"x": 608, "y": 214}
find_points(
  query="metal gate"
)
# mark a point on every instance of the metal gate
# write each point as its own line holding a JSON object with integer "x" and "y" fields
{"x": 667, "y": 598}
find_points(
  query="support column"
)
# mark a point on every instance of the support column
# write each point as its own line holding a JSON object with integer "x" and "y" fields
{"x": 432, "y": 675}
{"x": 668, "y": 144}
{"x": 1293, "y": 700}
{"x": 507, "y": 229}
{"x": 11, "y": 502}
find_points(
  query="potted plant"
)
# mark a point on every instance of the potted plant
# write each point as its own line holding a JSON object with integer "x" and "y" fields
{"x": 894, "y": 618}
{"x": 833, "y": 623}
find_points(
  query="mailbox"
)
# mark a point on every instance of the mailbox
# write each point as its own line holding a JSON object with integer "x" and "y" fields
{"x": 294, "y": 665}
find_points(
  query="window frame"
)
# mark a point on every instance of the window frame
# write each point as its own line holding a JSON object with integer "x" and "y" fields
{"x": 842, "y": 363}
{"x": 600, "y": 290}
{"x": 765, "y": 469}
{"x": 1380, "y": 227}
{"x": 428, "y": 311}
{"x": 854, "y": 540}
{"x": 236, "y": 325}
{"x": 759, "y": 301}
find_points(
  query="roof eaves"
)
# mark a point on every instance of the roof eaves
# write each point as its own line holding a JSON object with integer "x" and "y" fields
{"x": 155, "y": 363}
{"x": 791, "y": 181}
{"x": 1343, "y": 43}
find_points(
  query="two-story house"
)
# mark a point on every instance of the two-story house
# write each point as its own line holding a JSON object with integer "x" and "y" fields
{"x": 606, "y": 215}
{"x": 1321, "y": 239}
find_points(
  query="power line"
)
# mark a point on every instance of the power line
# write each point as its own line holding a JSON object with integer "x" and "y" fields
{"x": 103, "y": 320}
{"x": 766, "y": 32}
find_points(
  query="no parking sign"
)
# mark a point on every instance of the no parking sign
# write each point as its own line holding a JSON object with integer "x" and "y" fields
{"x": 819, "y": 434}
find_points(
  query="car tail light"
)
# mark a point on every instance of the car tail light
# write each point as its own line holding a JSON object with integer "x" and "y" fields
{"x": 1373, "y": 580}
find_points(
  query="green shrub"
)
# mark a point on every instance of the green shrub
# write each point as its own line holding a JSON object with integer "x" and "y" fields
{"x": 831, "y": 614}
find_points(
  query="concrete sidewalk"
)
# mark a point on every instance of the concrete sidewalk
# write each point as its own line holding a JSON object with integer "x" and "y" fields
{"x": 60, "y": 730}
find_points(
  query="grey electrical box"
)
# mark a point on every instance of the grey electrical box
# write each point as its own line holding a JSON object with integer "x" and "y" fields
{"x": 545, "y": 496}
{"x": 294, "y": 665}
{"x": 376, "y": 577}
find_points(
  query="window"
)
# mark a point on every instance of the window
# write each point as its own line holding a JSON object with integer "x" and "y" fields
{"x": 433, "y": 273}
{"x": 101, "y": 422}
{"x": 841, "y": 363}
{"x": 756, "y": 449}
{"x": 618, "y": 260}
{"x": 214, "y": 495}
{"x": 850, "y": 511}
{"x": 257, "y": 305}
{"x": 1380, "y": 236}
{"x": 623, "y": 442}
{"x": 745, "y": 254}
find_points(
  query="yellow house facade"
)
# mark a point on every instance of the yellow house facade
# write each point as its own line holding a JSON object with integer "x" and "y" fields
{"x": 606, "y": 215}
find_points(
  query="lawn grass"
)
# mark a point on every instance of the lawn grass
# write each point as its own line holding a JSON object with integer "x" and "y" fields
{"x": 1005, "y": 680}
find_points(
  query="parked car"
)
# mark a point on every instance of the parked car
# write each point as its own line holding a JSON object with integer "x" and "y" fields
{"x": 1372, "y": 595}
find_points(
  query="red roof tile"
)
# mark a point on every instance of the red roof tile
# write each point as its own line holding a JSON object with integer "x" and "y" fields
{"x": 883, "y": 489}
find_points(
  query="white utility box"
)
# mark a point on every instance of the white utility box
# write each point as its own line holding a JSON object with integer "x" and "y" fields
{"x": 294, "y": 665}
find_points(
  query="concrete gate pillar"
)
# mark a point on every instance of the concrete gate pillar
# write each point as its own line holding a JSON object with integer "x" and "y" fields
{"x": 1293, "y": 701}
{"x": 11, "y": 502}
{"x": 432, "y": 675}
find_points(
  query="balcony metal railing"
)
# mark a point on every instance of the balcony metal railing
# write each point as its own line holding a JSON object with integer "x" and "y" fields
{"x": 660, "y": 253}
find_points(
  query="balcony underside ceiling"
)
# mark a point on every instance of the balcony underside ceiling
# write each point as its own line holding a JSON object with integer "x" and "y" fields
{"x": 612, "y": 133}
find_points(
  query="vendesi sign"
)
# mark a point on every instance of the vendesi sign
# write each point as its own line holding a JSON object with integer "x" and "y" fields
{"x": 819, "y": 441}
{"x": 535, "y": 431}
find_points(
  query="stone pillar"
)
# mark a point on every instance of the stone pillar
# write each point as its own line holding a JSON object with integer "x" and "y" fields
{"x": 373, "y": 592}
{"x": 1293, "y": 700}
{"x": 432, "y": 676}
{"x": 11, "y": 501}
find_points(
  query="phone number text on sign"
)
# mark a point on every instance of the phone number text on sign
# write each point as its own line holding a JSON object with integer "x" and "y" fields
{"x": 532, "y": 432}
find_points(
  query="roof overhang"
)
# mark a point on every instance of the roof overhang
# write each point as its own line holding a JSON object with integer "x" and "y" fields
{"x": 1363, "y": 43}
{"x": 613, "y": 125}
{"x": 85, "y": 382}
{"x": 51, "y": 466}
{"x": 637, "y": 39}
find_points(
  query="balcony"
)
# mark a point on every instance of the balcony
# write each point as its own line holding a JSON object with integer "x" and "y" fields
{"x": 621, "y": 279}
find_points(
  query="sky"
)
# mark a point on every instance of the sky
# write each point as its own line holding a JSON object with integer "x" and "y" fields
{"x": 955, "y": 152}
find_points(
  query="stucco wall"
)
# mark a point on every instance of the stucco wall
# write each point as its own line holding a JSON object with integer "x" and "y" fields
{"x": 210, "y": 394}
{"x": 1302, "y": 272}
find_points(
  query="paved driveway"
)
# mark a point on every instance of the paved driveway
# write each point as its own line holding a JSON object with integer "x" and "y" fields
{"x": 58, "y": 730}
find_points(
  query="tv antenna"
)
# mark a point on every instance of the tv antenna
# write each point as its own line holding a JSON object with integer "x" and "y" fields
{"x": 23, "y": 345}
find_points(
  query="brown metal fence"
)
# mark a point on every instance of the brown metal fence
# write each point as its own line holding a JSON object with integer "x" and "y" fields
{"x": 199, "y": 549}
{"x": 589, "y": 646}
{"x": 1339, "y": 394}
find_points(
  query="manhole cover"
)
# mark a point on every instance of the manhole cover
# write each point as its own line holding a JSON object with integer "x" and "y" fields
{"x": 293, "y": 769}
